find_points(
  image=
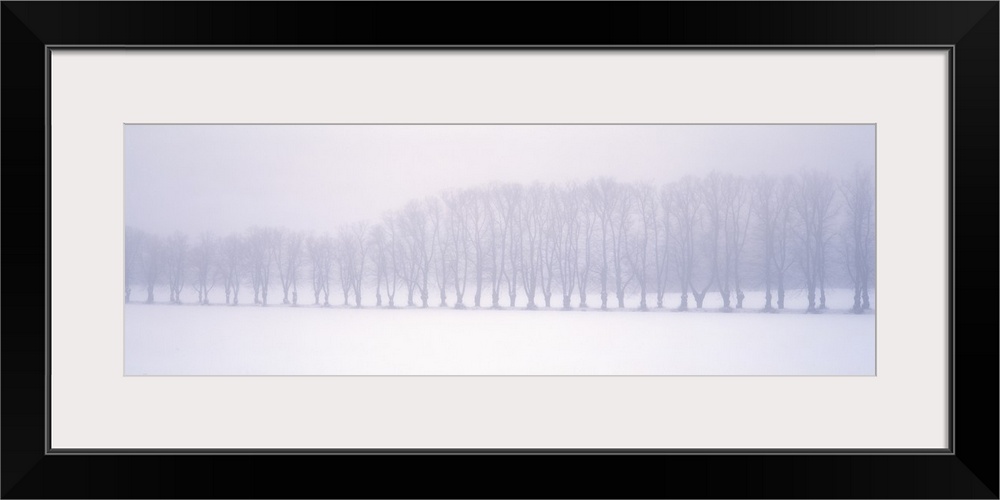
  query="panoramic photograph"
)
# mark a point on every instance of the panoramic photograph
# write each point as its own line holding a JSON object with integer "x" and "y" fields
{"x": 511, "y": 250}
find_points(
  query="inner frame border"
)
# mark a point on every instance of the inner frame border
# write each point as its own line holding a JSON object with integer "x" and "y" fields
{"x": 949, "y": 450}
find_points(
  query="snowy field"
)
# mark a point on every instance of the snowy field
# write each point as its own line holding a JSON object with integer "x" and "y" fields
{"x": 188, "y": 339}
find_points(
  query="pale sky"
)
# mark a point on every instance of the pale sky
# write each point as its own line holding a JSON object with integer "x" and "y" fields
{"x": 225, "y": 178}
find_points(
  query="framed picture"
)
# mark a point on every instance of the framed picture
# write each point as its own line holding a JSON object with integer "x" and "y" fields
{"x": 705, "y": 251}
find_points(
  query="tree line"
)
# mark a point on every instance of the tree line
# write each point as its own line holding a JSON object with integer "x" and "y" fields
{"x": 558, "y": 245}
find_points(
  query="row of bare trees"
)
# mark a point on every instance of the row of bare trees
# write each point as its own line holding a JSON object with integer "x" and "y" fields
{"x": 484, "y": 246}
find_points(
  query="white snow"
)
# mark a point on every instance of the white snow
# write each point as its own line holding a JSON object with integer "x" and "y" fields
{"x": 188, "y": 339}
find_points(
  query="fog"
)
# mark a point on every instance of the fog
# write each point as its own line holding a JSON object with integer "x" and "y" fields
{"x": 224, "y": 178}
{"x": 353, "y": 249}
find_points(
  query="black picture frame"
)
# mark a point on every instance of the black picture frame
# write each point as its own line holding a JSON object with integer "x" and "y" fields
{"x": 969, "y": 29}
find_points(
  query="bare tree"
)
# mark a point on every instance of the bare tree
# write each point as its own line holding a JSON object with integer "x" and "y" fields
{"x": 686, "y": 205}
{"x": 407, "y": 263}
{"x": 639, "y": 247}
{"x": 532, "y": 219}
{"x": 175, "y": 257}
{"x": 711, "y": 201}
{"x": 499, "y": 213}
{"x": 620, "y": 226}
{"x": 567, "y": 239}
{"x": 276, "y": 250}
{"x": 359, "y": 246}
{"x": 233, "y": 262}
{"x": 203, "y": 259}
{"x": 458, "y": 233}
{"x": 477, "y": 226}
{"x": 813, "y": 202}
{"x": 379, "y": 259}
{"x": 345, "y": 256}
{"x": 394, "y": 265}
{"x": 722, "y": 198}
{"x": 765, "y": 206}
{"x": 804, "y": 205}
{"x": 321, "y": 255}
{"x": 440, "y": 239}
{"x": 260, "y": 241}
{"x": 603, "y": 198}
{"x": 661, "y": 238}
{"x": 151, "y": 263}
{"x": 728, "y": 200}
{"x": 825, "y": 232}
{"x": 287, "y": 252}
{"x": 737, "y": 193}
{"x": 512, "y": 196}
{"x": 548, "y": 248}
{"x": 772, "y": 199}
{"x": 784, "y": 233}
{"x": 859, "y": 235}
{"x": 588, "y": 226}
{"x": 134, "y": 240}
{"x": 418, "y": 233}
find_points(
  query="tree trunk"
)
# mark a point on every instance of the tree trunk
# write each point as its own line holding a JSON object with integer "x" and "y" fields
{"x": 444, "y": 298}
{"x": 726, "y": 299}
{"x": 548, "y": 299}
{"x": 604, "y": 289}
{"x": 566, "y": 299}
{"x": 149, "y": 294}
{"x": 699, "y": 298}
{"x": 620, "y": 294}
{"x": 423, "y": 298}
{"x": 739, "y": 298}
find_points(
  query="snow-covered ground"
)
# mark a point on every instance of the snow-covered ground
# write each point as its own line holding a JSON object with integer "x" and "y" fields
{"x": 188, "y": 339}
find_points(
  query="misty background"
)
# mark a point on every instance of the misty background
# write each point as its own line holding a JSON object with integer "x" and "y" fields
{"x": 224, "y": 178}
{"x": 317, "y": 232}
